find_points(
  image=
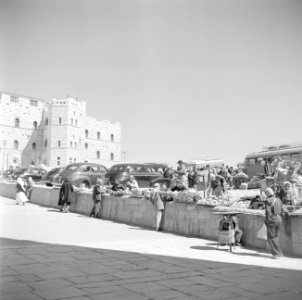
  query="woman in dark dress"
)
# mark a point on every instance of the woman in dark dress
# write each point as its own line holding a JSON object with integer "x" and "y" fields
{"x": 65, "y": 196}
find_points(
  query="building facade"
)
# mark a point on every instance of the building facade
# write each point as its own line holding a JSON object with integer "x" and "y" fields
{"x": 54, "y": 133}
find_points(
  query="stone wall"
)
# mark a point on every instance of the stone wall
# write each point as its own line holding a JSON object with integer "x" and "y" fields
{"x": 180, "y": 218}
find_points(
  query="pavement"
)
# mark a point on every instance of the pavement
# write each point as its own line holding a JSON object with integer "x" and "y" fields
{"x": 45, "y": 254}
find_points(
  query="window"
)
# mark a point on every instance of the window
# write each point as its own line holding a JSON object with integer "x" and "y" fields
{"x": 70, "y": 160}
{"x": 95, "y": 169}
{"x": 86, "y": 145}
{"x": 33, "y": 102}
{"x": 17, "y": 122}
{"x": 14, "y": 99}
{"x": 59, "y": 143}
{"x": 71, "y": 121}
{"x": 45, "y": 143}
{"x": 58, "y": 161}
{"x": 75, "y": 144}
{"x": 112, "y": 156}
{"x": 60, "y": 120}
{"x": 35, "y": 125}
{"x": 33, "y": 146}
{"x": 86, "y": 133}
{"x": 74, "y": 160}
{"x": 70, "y": 144}
{"x": 98, "y": 135}
{"x": 112, "y": 137}
{"x": 16, "y": 144}
{"x": 76, "y": 123}
{"x": 46, "y": 121}
{"x": 98, "y": 154}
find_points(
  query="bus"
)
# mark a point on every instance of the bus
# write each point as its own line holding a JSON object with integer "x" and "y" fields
{"x": 254, "y": 162}
{"x": 203, "y": 163}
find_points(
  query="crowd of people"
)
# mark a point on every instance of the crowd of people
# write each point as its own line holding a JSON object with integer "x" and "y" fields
{"x": 281, "y": 177}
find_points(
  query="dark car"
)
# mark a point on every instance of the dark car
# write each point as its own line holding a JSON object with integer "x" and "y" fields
{"x": 160, "y": 168}
{"x": 35, "y": 173}
{"x": 19, "y": 173}
{"x": 50, "y": 176}
{"x": 82, "y": 174}
{"x": 143, "y": 174}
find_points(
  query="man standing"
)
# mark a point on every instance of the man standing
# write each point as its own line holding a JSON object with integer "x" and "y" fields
{"x": 273, "y": 218}
{"x": 97, "y": 198}
{"x": 158, "y": 204}
{"x": 182, "y": 173}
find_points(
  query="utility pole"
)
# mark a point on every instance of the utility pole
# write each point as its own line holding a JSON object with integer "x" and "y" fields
{"x": 124, "y": 155}
{"x": 4, "y": 144}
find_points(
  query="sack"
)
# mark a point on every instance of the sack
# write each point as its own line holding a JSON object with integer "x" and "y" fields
{"x": 262, "y": 233}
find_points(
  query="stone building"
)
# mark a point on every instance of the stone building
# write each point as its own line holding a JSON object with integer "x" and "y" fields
{"x": 55, "y": 133}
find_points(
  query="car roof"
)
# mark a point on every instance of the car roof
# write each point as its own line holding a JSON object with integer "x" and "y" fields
{"x": 84, "y": 164}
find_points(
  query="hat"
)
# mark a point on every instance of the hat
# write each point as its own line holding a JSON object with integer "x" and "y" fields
{"x": 269, "y": 192}
{"x": 180, "y": 162}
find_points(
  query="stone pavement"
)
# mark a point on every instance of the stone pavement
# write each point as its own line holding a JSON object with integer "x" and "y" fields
{"x": 45, "y": 254}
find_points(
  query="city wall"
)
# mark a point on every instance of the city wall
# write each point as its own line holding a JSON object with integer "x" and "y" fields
{"x": 180, "y": 218}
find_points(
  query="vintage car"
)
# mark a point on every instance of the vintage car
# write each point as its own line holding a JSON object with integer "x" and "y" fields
{"x": 143, "y": 174}
{"x": 49, "y": 178}
{"x": 82, "y": 174}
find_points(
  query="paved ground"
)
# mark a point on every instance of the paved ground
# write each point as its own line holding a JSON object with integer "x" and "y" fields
{"x": 45, "y": 254}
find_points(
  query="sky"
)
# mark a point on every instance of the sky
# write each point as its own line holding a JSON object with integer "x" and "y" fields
{"x": 187, "y": 79}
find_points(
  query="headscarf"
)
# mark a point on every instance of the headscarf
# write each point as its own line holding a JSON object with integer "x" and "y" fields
{"x": 285, "y": 183}
{"x": 269, "y": 192}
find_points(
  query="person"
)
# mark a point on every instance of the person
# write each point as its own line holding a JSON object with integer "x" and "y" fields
{"x": 158, "y": 204}
{"x": 65, "y": 196}
{"x": 286, "y": 195}
{"x": 182, "y": 173}
{"x": 29, "y": 187}
{"x": 97, "y": 198}
{"x": 273, "y": 218}
{"x": 117, "y": 186}
{"x": 21, "y": 198}
{"x": 132, "y": 183}
{"x": 268, "y": 168}
{"x": 238, "y": 231}
{"x": 191, "y": 179}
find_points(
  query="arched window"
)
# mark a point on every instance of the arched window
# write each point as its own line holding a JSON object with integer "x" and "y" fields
{"x": 70, "y": 160}
{"x": 98, "y": 155}
{"x": 98, "y": 135}
{"x": 86, "y": 145}
{"x": 58, "y": 161}
{"x": 33, "y": 146}
{"x": 75, "y": 144}
{"x": 35, "y": 125}
{"x": 71, "y": 121}
{"x": 76, "y": 123}
{"x": 17, "y": 122}
{"x": 16, "y": 144}
{"x": 112, "y": 137}
{"x": 45, "y": 143}
{"x": 46, "y": 121}
{"x": 60, "y": 120}
{"x": 59, "y": 143}
{"x": 112, "y": 156}
{"x": 70, "y": 144}
{"x": 86, "y": 133}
